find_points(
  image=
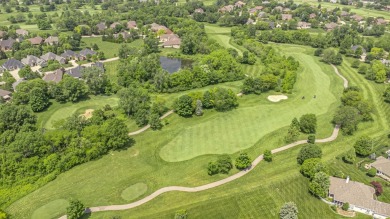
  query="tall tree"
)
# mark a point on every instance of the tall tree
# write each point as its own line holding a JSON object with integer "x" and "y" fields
{"x": 38, "y": 99}
{"x": 319, "y": 186}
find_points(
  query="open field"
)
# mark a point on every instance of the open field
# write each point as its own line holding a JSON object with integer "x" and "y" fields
{"x": 59, "y": 111}
{"x": 360, "y": 11}
{"x": 87, "y": 183}
{"x": 110, "y": 49}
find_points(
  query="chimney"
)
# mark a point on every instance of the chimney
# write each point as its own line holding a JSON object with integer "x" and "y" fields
{"x": 347, "y": 180}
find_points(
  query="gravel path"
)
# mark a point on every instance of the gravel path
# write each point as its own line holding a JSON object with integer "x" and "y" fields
{"x": 213, "y": 184}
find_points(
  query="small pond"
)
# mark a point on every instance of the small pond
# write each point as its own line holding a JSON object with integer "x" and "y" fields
{"x": 172, "y": 65}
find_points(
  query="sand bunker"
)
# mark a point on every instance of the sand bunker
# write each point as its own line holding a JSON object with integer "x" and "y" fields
{"x": 277, "y": 98}
{"x": 88, "y": 113}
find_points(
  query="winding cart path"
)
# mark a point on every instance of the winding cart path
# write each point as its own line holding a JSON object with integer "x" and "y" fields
{"x": 213, "y": 184}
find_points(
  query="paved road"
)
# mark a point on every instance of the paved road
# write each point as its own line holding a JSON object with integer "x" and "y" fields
{"x": 217, "y": 183}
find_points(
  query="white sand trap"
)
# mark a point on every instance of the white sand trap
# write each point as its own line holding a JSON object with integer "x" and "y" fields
{"x": 88, "y": 113}
{"x": 277, "y": 98}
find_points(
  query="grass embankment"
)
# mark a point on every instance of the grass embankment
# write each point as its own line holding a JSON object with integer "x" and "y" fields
{"x": 102, "y": 182}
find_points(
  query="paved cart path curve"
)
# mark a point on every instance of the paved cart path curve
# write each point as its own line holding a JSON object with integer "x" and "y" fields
{"x": 213, "y": 184}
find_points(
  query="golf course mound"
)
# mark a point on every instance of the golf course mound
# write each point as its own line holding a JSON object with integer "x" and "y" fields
{"x": 88, "y": 113}
{"x": 277, "y": 98}
{"x": 51, "y": 209}
{"x": 134, "y": 191}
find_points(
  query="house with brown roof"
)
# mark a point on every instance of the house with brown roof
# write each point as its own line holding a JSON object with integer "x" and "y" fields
{"x": 6, "y": 95}
{"x": 381, "y": 21}
{"x": 286, "y": 17}
{"x": 359, "y": 196}
{"x": 227, "y": 8}
{"x": 357, "y": 18}
{"x": 278, "y": 8}
{"x": 125, "y": 35}
{"x": 2, "y": 34}
{"x": 55, "y": 77}
{"x": 52, "y": 40}
{"x": 170, "y": 41}
{"x": 7, "y": 44}
{"x": 157, "y": 27}
{"x": 21, "y": 32}
{"x": 330, "y": 26}
{"x": 36, "y": 40}
{"x": 254, "y": 10}
{"x": 303, "y": 25}
{"x": 382, "y": 166}
{"x": 239, "y": 4}
{"x": 132, "y": 25}
{"x": 387, "y": 8}
{"x": 113, "y": 25}
{"x": 312, "y": 15}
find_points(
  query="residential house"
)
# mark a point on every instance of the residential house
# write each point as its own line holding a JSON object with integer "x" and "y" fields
{"x": 31, "y": 61}
{"x": 239, "y": 4}
{"x": 255, "y": 10}
{"x": 12, "y": 64}
{"x": 286, "y": 17}
{"x": 303, "y": 25}
{"x": 357, "y": 18}
{"x": 113, "y": 25}
{"x": 16, "y": 83}
{"x": 52, "y": 40}
{"x": 387, "y": 8}
{"x": 51, "y": 56}
{"x": 262, "y": 14}
{"x": 132, "y": 25}
{"x": 227, "y": 8}
{"x": 36, "y": 40}
{"x": 167, "y": 37}
{"x": 359, "y": 196}
{"x": 278, "y": 8}
{"x": 381, "y": 21}
{"x": 330, "y": 26}
{"x": 85, "y": 53}
{"x": 6, "y": 95}
{"x": 173, "y": 43}
{"x": 21, "y": 32}
{"x": 7, "y": 44}
{"x": 157, "y": 27}
{"x": 312, "y": 16}
{"x": 344, "y": 14}
{"x": 382, "y": 166}
{"x": 101, "y": 27}
{"x": 55, "y": 77}
{"x": 125, "y": 35}
{"x": 69, "y": 55}
{"x": 75, "y": 72}
{"x": 199, "y": 10}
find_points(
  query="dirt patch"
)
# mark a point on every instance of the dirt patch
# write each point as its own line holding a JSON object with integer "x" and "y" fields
{"x": 88, "y": 113}
{"x": 277, "y": 98}
{"x": 345, "y": 213}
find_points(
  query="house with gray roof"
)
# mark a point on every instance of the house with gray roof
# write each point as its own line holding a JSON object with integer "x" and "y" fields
{"x": 51, "y": 56}
{"x": 85, "y": 53}
{"x": 69, "y": 55}
{"x": 359, "y": 196}
{"x": 75, "y": 72}
{"x": 7, "y": 44}
{"x": 101, "y": 26}
{"x": 382, "y": 166}
{"x": 34, "y": 61}
{"x": 12, "y": 64}
{"x": 6, "y": 95}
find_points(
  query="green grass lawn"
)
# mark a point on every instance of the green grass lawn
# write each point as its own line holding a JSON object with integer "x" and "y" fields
{"x": 102, "y": 182}
{"x": 110, "y": 49}
{"x": 59, "y": 111}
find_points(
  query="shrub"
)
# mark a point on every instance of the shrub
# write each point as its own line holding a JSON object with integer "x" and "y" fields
{"x": 289, "y": 211}
{"x": 75, "y": 209}
{"x": 311, "y": 139}
{"x": 371, "y": 172}
{"x": 355, "y": 64}
{"x": 308, "y": 123}
{"x": 363, "y": 146}
{"x": 312, "y": 166}
{"x": 268, "y": 155}
{"x": 224, "y": 164}
{"x": 181, "y": 214}
{"x": 345, "y": 206}
{"x": 378, "y": 188}
{"x": 309, "y": 151}
{"x": 243, "y": 161}
{"x": 350, "y": 156}
{"x": 212, "y": 168}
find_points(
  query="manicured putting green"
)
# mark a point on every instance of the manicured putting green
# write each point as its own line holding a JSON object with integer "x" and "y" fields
{"x": 51, "y": 209}
{"x": 134, "y": 191}
{"x": 69, "y": 109}
{"x": 241, "y": 128}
